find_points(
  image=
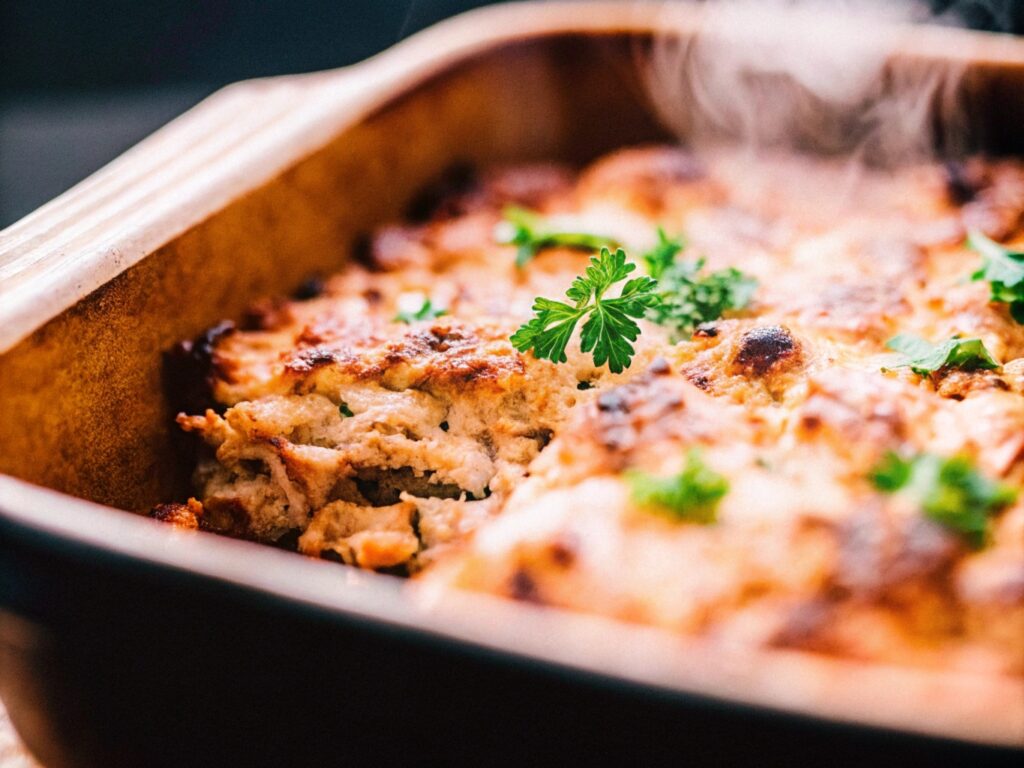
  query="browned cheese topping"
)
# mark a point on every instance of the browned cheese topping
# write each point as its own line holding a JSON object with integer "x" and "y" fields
{"x": 430, "y": 445}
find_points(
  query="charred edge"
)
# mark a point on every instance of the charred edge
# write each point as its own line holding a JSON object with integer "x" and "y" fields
{"x": 288, "y": 541}
{"x": 401, "y": 570}
{"x": 308, "y": 360}
{"x": 765, "y": 348}
{"x": 442, "y": 198}
{"x": 414, "y": 523}
{"x": 962, "y": 186}
{"x": 522, "y": 586}
{"x": 228, "y": 517}
{"x": 384, "y": 487}
{"x": 310, "y": 288}
{"x": 543, "y": 436}
{"x": 224, "y": 517}
{"x": 265, "y": 315}
{"x": 178, "y": 515}
{"x": 189, "y": 369}
{"x": 699, "y": 379}
{"x": 563, "y": 551}
{"x": 362, "y": 252}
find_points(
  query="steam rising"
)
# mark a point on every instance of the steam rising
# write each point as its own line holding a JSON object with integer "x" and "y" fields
{"x": 807, "y": 74}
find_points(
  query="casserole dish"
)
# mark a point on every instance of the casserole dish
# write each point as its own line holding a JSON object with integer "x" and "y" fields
{"x": 123, "y": 642}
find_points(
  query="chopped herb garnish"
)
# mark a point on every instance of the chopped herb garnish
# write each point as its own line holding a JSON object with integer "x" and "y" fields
{"x": 532, "y": 233}
{"x": 891, "y": 473}
{"x": 426, "y": 311}
{"x": 950, "y": 491}
{"x": 344, "y": 410}
{"x": 685, "y": 299}
{"x": 663, "y": 254}
{"x": 610, "y": 324}
{"x": 1004, "y": 270}
{"x": 584, "y": 385}
{"x": 689, "y": 298}
{"x": 691, "y": 495}
{"x": 444, "y": 426}
{"x": 923, "y": 357}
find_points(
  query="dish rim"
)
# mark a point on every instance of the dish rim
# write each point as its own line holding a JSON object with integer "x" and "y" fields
{"x": 947, "y": 705}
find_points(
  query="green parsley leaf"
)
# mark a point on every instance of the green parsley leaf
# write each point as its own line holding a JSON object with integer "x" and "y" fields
{"x": 610, "y": 325}
{"x": 891, "y": 473}
{"x": 532, "y": 233}
{"x": 663, "y": 255}
{"x": 923, "y": 357}
{"x": 950, "y": 491}
{"x": 691, "y": 495}
{"x": 690, "y": 298}
{"x": 344, "y": 410}
{"x": 427, "y": 311}
{"x": 1004, "y": 270}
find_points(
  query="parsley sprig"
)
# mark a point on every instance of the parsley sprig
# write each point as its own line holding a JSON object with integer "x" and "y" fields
{"x": 688, "y": 297}
{"x": 663, "y": 254}
{"x": 950, "y": 491}
{"x": 1004, "y": 271}
{"x": 532, "y": 233}
{"x": 685, "y": 298}
{"x": 426, "y": 311}
{"x": 611, "y": 322}
{"x": 923, "y": 357}
{"x": 691, "y": 495}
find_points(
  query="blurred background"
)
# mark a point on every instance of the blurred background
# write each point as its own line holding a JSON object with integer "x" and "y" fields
{"x": 82, "y": 80}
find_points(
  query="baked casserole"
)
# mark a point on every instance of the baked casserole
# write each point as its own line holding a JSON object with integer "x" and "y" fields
{"x": 766, "y": 400}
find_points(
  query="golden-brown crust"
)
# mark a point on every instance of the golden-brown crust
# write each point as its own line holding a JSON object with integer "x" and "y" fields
{"x": 188, "y": 516}
{"x": 434, "y": 446}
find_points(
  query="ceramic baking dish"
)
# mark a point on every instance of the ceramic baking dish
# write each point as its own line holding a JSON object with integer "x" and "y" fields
{"x": 126, "y": 642}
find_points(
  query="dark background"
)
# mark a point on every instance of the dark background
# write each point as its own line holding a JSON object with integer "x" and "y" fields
{"x": 82, "y": 80}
